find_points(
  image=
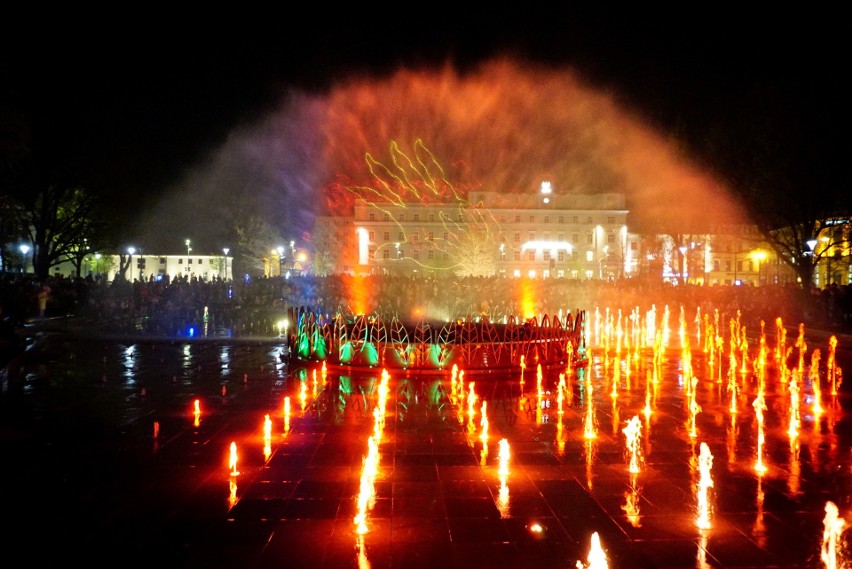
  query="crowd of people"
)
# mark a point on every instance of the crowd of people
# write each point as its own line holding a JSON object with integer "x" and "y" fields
{"x": 98, "y": 302}
{"x": 410, "y": 298}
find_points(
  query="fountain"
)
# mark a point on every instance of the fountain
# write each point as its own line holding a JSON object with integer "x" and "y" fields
{"x": 476, "y": 344}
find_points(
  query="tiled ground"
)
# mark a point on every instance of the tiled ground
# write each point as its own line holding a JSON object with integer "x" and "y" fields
{"x": 86, "y": 479}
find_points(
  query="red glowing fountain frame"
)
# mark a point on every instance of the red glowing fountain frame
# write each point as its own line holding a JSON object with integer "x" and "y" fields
{"x": 474, "y": 344}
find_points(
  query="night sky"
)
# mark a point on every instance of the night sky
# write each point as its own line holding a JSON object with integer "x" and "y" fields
{"x": 126, "y": 112}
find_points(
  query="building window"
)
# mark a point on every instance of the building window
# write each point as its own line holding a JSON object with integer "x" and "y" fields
{"x": 189, "y": 261}
{"x": 610, "y": 219}
{"x": 575, "y": 219}
{"x": 517, "y": 219}
{"x": 517, "y": 237}
{"x": 180, "y": 261}
{"x": 402, "y": 217}
{"x": 532, "y": 219}
{"x": 162, "y": 260}
{"x": 372, "y": 235}
{"x": 610, "y": 238}
{"x": 502, "y": 219}
{"x": 532, "y": 236}
{"x": 431, "y": 217}
{"x": 589, "y": 220}
{"x": 416, "y": 217}
{"x": 385, "y": 217}
{"x": 372, "y": 216}
{"x": 416, "y": 254}
{"x": 590, "y": 238}
{"x": 561, "y": 219}
{"x": 400, "y": 236}
{"x": 431, "y": 236}
{"x": 430, "y": 254}
{"x": 560, "y": 255}
{"x": 415, "y": 237}
{"x": 546, "y": 254}
{"x": 446, "y": 236}
{"x": 386, "y": 236}
{"x": 531, "y": 255}
{"x": 517, "y": 255}
{"x": 372, "y": 253}
{"x": 386, "y": 253}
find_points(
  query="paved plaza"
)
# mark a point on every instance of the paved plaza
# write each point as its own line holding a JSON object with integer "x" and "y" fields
{"x": 107, "y": 462}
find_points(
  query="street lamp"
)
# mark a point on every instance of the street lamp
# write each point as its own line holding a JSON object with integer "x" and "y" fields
{"x": 188, "y": 260}
{"x": 759, "y": 256}
{"x": 811, "y": 243}
{"x": 225, "y": 250}
{"x": 280, "y": 250}
{"x": 24, "y": 250}
{"x": 130, "y": 251}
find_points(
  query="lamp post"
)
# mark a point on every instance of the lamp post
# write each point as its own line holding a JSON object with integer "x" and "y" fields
{"x": 225, "y": 250}
{"x": 24, "y": 250}
{"x": 759, "y": 256}
{"x": 811, "y": 243}
{"x": 130, "y": 252}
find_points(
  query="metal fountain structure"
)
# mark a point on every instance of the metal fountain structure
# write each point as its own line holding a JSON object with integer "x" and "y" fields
{"x": 475, "y": 344}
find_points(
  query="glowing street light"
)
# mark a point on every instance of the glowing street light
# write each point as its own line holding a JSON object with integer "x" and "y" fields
{"x": 759, "y": 256}
{"x": 24, "y": 250}
{"x": 225, "y": 250}
{"x": 280, "y": 250}
{"x": 811, "y": 243}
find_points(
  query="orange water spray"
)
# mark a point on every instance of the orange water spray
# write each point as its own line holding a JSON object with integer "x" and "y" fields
{"x": 232, "y": 460}
{"x": 759, "y": 407}
{"x": 647, "y": 410}
{"x": 503, "y": 473}
{"x": 471, "y": 402}
{"x": 303, "y": 395}
{"x": 833, "y": 527}
{"x": 780, "y": 342}
{"x": 596, "y": 558}
{"x": 196, "y": 413}
{"x": 833, "y": 372}
{"x": 267, "y": 437}
{"x": 483, "y": 433}
{"x": 631, "y": 503}
{"x": 694, "y": 407}
{"x": 367, "y": 490}
{"x": 633, "y": 432}
{"x": 232, "y": 492}
{"x": 286, "y": 415}
{"x": 813, "y": 375}
{"x": 795, "y": 418}
{"x": 705, "y": 482}
{"x": 589, "y": 431}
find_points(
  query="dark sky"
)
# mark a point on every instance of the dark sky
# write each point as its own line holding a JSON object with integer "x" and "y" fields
{"x": 127, "y": 110}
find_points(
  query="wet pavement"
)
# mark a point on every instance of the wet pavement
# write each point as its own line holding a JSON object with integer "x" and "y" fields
{"x": 87, "y": 478}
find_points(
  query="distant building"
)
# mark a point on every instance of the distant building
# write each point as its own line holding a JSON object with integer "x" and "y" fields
{"x": 148, "y": 267}
{"x": 543, "y": 235}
